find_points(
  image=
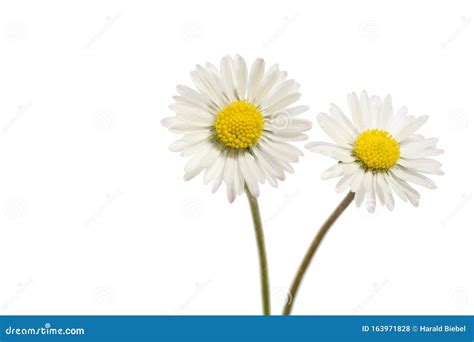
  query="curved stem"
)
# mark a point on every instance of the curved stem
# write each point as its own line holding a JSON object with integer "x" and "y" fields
{"x": 257, "y": 223}
{"x": 312, "y": 250}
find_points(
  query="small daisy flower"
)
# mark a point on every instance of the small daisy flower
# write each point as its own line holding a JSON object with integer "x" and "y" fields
{"x": 237, "y": 125}
{"x": 378, "y": 153}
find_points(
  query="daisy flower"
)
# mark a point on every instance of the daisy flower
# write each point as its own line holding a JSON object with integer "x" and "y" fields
{"x": 237, "y": 125}
{"x": 378, "y": 153}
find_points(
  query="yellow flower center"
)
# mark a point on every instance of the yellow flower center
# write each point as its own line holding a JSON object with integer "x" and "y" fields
{"x": 239, "y": 125}
{"x": 376, "y": 150}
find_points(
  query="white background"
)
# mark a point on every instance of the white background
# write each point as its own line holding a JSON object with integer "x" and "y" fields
{"x": 96, "y": 219}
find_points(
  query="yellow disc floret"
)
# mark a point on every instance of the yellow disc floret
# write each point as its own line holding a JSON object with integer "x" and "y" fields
{"x": 239, "y": 125}
{"x": 376, "y": 150}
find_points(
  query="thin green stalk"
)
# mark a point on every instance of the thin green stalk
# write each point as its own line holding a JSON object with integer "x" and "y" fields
{"x": 312, "y": 250}
{"x": 257, "y": 223}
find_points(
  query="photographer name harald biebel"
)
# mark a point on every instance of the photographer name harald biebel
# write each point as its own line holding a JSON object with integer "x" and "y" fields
{"x": 442, "y": 328}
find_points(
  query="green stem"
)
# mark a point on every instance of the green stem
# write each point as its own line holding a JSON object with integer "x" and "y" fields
{"x": 257, "y": 223}
{"x": 312, "y": 250}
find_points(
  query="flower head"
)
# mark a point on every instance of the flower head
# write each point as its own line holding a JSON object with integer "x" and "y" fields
{"x": 378, "y": 153}
{"x": 237, "y": 125}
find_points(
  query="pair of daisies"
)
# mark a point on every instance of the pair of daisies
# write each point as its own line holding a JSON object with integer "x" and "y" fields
{"x": 238, "y": 127}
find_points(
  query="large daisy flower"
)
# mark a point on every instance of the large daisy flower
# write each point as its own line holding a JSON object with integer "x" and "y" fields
{"x": 378, "y": 153}
{"x": 237, "y": 124}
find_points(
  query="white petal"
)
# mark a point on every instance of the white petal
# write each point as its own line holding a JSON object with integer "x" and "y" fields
{"x": 241, "y": 76}
{"x": 250, "y": 179}
{"x": 345, "y": 123}
{"x": 345, "y": 182}
{"x": 375, "y": 110}
{"x": 334, "y": 171}
{"x": 365, "y": 110}
{"x": 370, "y": 202}
{"x": 256, "y": 76}
{"x": 354, "y": 107}
{"x": 297, "y": 110}
{"x": 413, "y": 176}
{"x": 424, "y": 165}
{"x": 228, "y": 78}
{"x": 410, "y": 128}
{"x": 386, "y": 115}
{"x": 356, "y": 183}
{"x": 331, "y": 151}
{"x": 333, "y": 131}
{"x": 229, "y": 176}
